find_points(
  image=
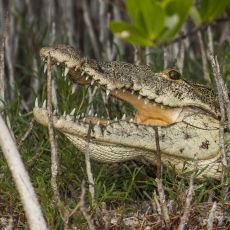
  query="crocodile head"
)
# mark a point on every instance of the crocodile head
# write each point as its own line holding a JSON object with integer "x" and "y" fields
{"x": 187, "y": 112}
{"x": 158, "y": 98}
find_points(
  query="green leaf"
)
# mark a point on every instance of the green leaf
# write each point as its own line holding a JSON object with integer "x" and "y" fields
{"x": 153, "y": 17}
{"x": 175, "y": 9}
{"x": 211, "y": 9}
{"x": 129, "y": 33}
{"x": 133, "y": 7}
{"x": 195, "y": 15}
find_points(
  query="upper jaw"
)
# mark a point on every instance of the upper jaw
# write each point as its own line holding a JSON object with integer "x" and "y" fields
{"x": 132, "y": 90}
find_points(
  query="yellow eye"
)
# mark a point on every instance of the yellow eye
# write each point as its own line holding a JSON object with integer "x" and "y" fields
{"x": 174, "y": 75}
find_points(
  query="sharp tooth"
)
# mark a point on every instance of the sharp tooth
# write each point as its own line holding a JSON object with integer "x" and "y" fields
{"x": 96, "y": 115}
{"x": 36, "y": 102}
{"x": 123, "y": 90}
{"x": 55, "y": 112}
{"x": 98, "y": 122}
{"x": 108, "y": 122}
{"x": 58, "y": 63}
{"x": 69, "y": 118}
{"x": 132, "y": 92}
{"x": 131, "y": 120}
{"x": 84, "y": 119}
{"x": 115, "y": 119}
{"x": 64, "y": 114}
{"x": 43, "y": 59}
{"x": 72, "y": 112}
{"x": 74, "y": 87}
{"x": 146, "y": 101}
{"x": 45, "y": 67}
{"x": 82, "y": 115}
{"x": 82, "y": 73}
{"x": 92, "y": 82}
{"x": 139, "y": 97}
{"x": 107, "y": 92}
{"x": 87, "y": 77}
{"x": 77, "y": 117}
{"x": 90, "y": 112}
{"x": 123, "y": 117}
{"x": 76, "y": 68}
{"x": 66, "y": 71}
{"x": 44, "y": 104}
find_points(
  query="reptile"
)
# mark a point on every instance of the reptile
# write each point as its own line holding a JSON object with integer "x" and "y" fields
{"x": 185, "y": 114}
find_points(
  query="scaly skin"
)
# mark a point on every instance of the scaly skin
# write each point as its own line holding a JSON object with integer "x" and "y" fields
{"x": 186, "y": 114}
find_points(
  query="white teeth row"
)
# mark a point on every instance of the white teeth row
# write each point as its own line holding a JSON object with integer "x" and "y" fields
{"x": 71, "y": 115}
{"x": 74, "y": 86}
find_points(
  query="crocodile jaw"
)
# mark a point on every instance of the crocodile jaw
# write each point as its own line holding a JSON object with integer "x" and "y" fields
{"x": 153, "y": 103}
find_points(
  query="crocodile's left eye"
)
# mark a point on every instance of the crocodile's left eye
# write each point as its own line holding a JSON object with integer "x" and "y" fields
{"x": 174, "y": 75}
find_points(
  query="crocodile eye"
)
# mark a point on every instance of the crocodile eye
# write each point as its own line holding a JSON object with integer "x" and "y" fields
{"x": 174, "y": 75}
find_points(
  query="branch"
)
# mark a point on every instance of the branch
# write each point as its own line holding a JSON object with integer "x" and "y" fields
{"x": 21, "y": 179}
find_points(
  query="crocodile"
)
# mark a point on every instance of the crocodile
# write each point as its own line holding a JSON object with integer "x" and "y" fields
{"x": 185, "y": 114}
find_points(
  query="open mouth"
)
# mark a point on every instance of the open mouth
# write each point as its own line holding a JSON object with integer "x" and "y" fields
{"x": 148, "y": 111}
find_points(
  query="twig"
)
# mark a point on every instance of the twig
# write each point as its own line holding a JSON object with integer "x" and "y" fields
{"x": 137, "y": 55}
{"x": 224, "y": 104}
{"x": 196, "y": 30}
{"x": 2, "y": 69}
{"x": 88, "y": 165}
{"x": 211, "y": 217}
{"x": 160, "y": 188}
{"x": 21, "y": 179}
{"x": 27, "y": 133}
{"x": 184, "y": 218}
{"x": 203, "y": 57}
{"x": 89, "y": 26}
{"x": 83, "y": 208}
{"x": 54, "y": 154}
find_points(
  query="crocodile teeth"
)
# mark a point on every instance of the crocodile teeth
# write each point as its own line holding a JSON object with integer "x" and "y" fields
{"x": 58, "y": 63}
{"x": 64, "y": 114}
{"x": 72, "y": 112}
{"x": 84, "y": 119}
{"x": 123, "y": 90}
{"x": 92, "y": 82}
{"x": 123, "y": 117}
{"x": 36, "y": 102}
{"x": 45, "y": 68}
{"x": 90, "y": 112}
{"x": 146, "y": 101}
{"x": 115, "y": 119}
{"x": 82, "y": 115}
{"x": 107, "y": 92}
{"x": 87, "y": 77}
{"x": 76, "y": 68}
{"x": 44, "y": 104}
{"x": 83, "y": 72}
{"x": 77, "y": 117}
{"x": 66, "y": 71}
{"x": 55, "y": 112}
{"x": 131, "y": 120}
{"x": 132, "y": 92}
{"x": 69, "y": 118}
{"x": 96, "y": 115}
{"x": 74, "y": 87}
{"x": 98, "y": 122}
{"x": 139, "y": 97}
